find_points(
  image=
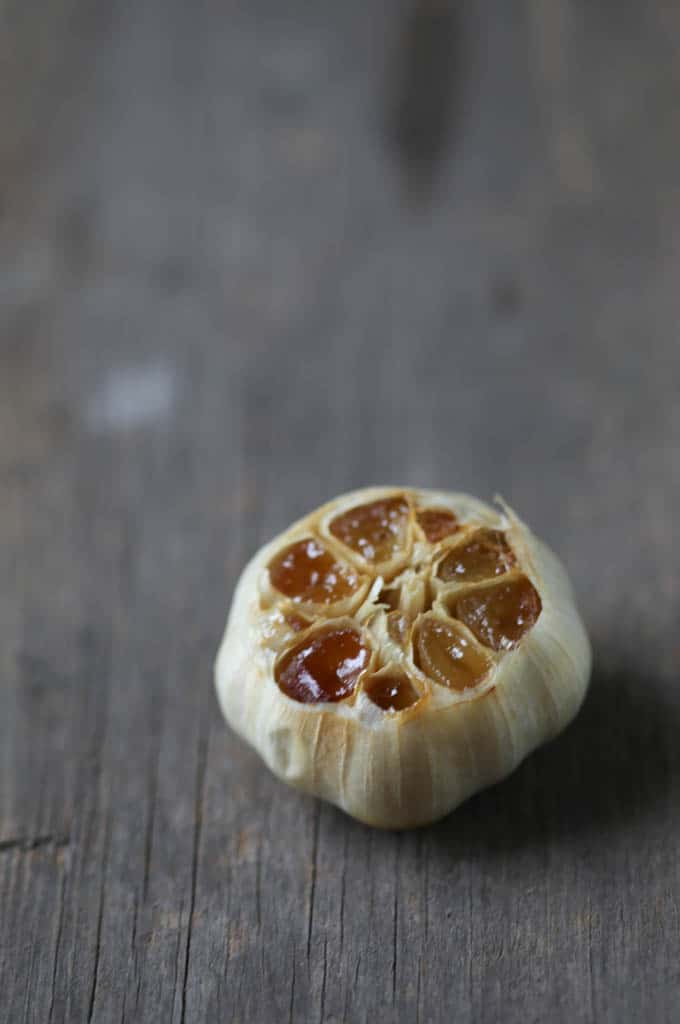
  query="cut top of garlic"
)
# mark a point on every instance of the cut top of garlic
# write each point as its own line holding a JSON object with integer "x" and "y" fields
{"x": 394, "y": 600}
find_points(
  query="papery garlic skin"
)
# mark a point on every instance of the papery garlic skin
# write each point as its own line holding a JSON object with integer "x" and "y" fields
{"x": 408, "y": 768}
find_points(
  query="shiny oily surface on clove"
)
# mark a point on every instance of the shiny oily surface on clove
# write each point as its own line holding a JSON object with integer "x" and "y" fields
{"x": 444, "y": 653}
{"x": 324, "y": 667}
{"x": 391, "y": 691}
{"x": 500, "y": 615}
{"x": 487, "y": 553}
{"x": 307, "y": 572}
{"x": 376, "y": 531}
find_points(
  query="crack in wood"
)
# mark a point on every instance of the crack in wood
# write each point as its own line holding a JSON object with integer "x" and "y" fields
{"x": 100, "y": 918}
{"x": 312, "y": 887}
{"x": 26, "y": 844}
{"x": 57, "y": 944}
{"x": 395, "y": 912}
{"x": 134, "y": 957}
{"x": 323, "y": 981}
{"x": 418, "y": 983}
{"x": 201, "y": 760}
{"x": 148, "y": 832}
{"x": 258, "y": 872}
{"x": 343, "y": 885}
{"x": 178, "y": 946}
{"x": 292, "y": 991}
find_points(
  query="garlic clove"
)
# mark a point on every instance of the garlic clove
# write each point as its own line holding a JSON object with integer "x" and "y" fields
{"x": 437, "y": 523}
{"x": 482, "y": 554}
{"x": 499, "y": 615}
{"x": 308, "y": 573}
{"x": 448, "y": 655}
{"x": 377, "y": 534}
{"x": 325, "y": 665}
{"x": 391, "y": 689}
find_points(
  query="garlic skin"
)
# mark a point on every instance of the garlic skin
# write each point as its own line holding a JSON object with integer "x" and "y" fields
{"x": 401, "y": 769}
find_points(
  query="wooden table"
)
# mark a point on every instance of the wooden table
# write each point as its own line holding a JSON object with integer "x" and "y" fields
{"x": 253, "y": 255}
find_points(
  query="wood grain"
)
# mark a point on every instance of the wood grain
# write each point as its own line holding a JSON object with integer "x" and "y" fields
{"x": 221, "y": 306}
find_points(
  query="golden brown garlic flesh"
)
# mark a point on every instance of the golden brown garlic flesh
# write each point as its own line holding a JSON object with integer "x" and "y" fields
{"x": 499, "y": 615}
{"x": 484, "y": 554}
{"x": 307, "y": 572}
{"x": 325, "y": 666}
{"x": 391, "y": 690}
{"x": 447, "y": 655}
{"x": 436, "y": 523}
{"x": 377, "y": 530}
{"x": 397, "y": 650}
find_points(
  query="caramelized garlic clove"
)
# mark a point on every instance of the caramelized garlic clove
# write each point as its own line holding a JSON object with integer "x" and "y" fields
{"x": 437, "y": 523}
{"x": 306, "y": 572}
{"x": 501, "y": 614}
{"x": 390, "y": 689}
{"x": 324, "y": 667}
{"x": 377, "y": 531}
{"x": 445, "y": 653}
{"x": 483, "y": 555}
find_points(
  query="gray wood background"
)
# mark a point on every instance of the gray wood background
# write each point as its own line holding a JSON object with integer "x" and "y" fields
{"x": 253, "y": 254}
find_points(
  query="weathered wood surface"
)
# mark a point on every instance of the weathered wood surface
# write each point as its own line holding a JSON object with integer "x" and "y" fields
{"x": 251, "y": 255}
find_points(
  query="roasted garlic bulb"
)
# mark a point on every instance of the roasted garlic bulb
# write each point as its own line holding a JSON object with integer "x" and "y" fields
{"x": 398, "y": 650}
